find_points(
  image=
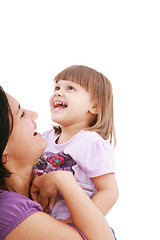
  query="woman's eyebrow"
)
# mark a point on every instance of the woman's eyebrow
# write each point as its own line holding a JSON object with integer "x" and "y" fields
{"x": 18, "y": 108}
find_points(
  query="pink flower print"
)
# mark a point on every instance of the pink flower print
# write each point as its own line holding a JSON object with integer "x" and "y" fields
{"x": 56, "y": 160}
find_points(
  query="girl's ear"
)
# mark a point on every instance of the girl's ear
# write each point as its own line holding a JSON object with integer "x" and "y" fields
{"x": 94, "y": 109}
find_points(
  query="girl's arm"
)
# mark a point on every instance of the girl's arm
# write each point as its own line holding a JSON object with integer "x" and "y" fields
{"x": 85, "y": 216}
{"x": 107, "y": 193}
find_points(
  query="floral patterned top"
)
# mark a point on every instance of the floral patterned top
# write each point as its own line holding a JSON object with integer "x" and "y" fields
{"x": 86, "y": 155}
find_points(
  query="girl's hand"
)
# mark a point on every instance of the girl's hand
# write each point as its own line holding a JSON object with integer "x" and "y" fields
{"x": 44, "y": 191}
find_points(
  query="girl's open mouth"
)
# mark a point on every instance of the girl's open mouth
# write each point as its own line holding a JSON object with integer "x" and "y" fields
{"x": 59, "y": 105}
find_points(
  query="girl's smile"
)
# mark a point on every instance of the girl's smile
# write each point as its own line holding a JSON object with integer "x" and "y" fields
{"x": 71, "y": 104}
{"x": 59, "y": 105}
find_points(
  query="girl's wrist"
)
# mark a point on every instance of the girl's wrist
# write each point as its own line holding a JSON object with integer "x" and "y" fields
{"x": 61, "y": 177}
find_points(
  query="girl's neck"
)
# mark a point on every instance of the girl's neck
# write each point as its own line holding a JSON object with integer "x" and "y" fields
{"x": 67, "y": 133}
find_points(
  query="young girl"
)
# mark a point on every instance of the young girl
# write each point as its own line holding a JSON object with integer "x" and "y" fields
{"x": 82, "y": 106}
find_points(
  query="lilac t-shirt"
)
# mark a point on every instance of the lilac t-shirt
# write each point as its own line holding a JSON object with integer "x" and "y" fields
{"x": 14, "y": 209}
{"x": 86, "y": 155}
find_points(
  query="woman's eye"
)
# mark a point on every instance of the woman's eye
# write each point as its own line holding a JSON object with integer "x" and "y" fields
{"x": 22, "y": 114}
{"x": 70, "y": 88}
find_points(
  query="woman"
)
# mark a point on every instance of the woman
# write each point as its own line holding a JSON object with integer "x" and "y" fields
{"x": 22, "y": 218}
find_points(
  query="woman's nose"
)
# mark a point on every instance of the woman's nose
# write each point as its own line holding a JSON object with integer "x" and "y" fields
{"x": 33, "y": 115}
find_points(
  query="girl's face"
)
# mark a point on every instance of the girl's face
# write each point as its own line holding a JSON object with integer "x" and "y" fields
{"x": 24, "y": 143}
{"x": 71, "y": 104}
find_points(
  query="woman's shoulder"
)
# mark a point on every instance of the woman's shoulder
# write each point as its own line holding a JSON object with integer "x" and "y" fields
{"x": 12, "y": 199}
{"x": 14, "y": 209}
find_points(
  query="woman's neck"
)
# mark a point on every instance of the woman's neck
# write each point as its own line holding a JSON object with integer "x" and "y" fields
{"x": 19, "y": 182}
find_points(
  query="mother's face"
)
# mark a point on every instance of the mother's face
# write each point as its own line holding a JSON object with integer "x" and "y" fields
{"x": 24, "y": 143}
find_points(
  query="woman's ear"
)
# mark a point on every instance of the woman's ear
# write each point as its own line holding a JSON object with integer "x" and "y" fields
{"x": 4, "y": 156}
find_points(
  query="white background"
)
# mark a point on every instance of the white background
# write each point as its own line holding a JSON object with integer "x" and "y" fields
{"x": 119, "y": 38}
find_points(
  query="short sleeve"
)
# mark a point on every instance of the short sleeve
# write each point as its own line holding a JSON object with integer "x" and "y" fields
{"x": 99, "y": 159}
{"x": 14, "y": 209}
{"x": 95, "y": 155}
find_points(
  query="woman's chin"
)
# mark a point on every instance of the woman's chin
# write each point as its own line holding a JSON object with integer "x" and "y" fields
{"x": 42, "y": 147}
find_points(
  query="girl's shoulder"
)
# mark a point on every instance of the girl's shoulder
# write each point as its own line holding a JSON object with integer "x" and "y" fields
{"x": 92, "y": 137}
{"x": 50, "y": 135}
{"x": 91, "y": 141}
{"x": 14, "y": 209}
{"x": 93, "y": 154}
{"x": 50, "y": 132}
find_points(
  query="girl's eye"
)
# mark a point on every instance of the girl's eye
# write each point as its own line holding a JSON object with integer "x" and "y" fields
{"x": 57, "y": 88}
{"x": 70, "y": 88}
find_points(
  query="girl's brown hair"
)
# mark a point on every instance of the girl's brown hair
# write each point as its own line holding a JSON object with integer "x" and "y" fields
{"x": 100, "y": 89}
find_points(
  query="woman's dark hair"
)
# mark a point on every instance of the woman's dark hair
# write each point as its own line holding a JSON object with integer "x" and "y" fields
{"x": 6, "y": 126}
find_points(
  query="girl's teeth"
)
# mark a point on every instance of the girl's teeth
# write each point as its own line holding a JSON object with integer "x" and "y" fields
{"x": 59, "y": 103}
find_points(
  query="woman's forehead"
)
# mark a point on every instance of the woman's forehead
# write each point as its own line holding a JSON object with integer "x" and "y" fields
{"x": 14, "y": 104}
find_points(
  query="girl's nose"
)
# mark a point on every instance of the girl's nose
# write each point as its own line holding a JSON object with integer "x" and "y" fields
{"x": 58, "y": 93}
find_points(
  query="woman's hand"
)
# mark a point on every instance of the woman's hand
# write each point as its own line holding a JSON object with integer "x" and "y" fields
{"x": 44, "y": 190}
